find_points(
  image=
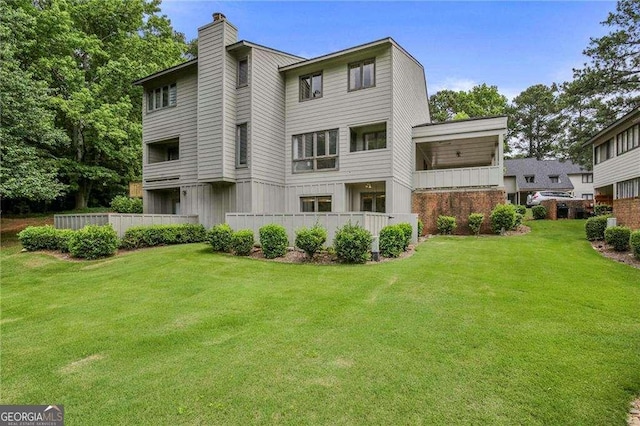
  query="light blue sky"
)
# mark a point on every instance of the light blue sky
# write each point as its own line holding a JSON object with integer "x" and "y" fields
{"x": 510, "y": 44}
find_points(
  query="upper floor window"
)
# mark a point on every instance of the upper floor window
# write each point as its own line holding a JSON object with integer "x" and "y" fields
{"x": 311, "y": 86}
{"x": 530, "y": 179}
{"x": 628, "y": 139}
{"x": 365, "y": 138}
{"x": 242, "y": 145}
{"x": 243, "y": 72}
{"x": 315, "y": 151}
{"x": 162, "y": 97}
{"x": 362, "y": 74}
{"x": 167, "y": 150}
{"x": 587, "y": 178}
{"x": 554, "y": 179}
{"x": 603, "y": 152}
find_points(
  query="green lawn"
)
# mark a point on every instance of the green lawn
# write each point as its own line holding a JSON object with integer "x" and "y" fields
{"x": 532, "y": 329}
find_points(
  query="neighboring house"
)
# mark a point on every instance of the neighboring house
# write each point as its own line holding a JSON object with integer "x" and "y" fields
{"x": 247, "y": 128}
{"x": 616, "y": 168}
{"x": 523, "y": 176}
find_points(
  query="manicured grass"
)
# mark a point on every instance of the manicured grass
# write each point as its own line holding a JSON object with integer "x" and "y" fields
{"x": 532, "y": 329}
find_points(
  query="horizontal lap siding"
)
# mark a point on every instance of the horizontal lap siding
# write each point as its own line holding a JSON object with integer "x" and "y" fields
{"x": 623, "y": 167}
{"x": 179, "y": 121}
{"x": 335, "y": 189}
{"x": 339, "y": 108}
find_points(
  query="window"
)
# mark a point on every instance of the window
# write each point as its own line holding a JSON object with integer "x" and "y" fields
{"x": 167, "y": 150}
{"x": 603, "y": 152}
{"x": 366, "y": 138}
{"x": 628, "y": 188}
{"x": 243, "y": 72}
{"x": 530, "y": 179}
{"x": 311, "y": 86}
{"x": 587, "y": 196}
{"x": 628, "y": 139}
{"x": 162, "y": 97}
{"x": 362, "y": 74}
{"x": 315, "y": 151}
{"x": 315, "y": 204}
{"x": 587, "y": 178}
{"x": 372, "y": 202}
{"x": 241, "y": 145}
{"x": 554, "y": 179}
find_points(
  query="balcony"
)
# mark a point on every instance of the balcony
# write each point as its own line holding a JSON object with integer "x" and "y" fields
{"x": 464, "y": 177}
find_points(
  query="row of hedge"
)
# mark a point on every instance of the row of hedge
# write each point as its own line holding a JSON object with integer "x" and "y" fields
{"x": 504, "y": 217}
{"x": 93, "y": 241}
{"x": 621, "y": 238}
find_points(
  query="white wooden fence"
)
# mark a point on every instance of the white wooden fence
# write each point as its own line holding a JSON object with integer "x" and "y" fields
{"x": 119, "y": 221}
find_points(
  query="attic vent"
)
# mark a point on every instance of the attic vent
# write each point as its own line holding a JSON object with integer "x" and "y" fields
{"x": 218, "y": 17}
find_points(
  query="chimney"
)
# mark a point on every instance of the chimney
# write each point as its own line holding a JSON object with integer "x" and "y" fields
{"x": 217, "y": 16}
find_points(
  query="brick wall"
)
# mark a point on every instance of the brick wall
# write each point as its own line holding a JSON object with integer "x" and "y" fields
{"x": 574, "y": 206}
{"x": 460, "y": 204}
{"x": 627, "y": 212}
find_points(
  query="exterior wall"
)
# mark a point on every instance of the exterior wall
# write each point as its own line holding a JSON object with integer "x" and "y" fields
{"x": 335, "y": 189}
{"x": 209, "y": 202}
{"x": 627, "y": 212}
{"x": 173, "y": 122}
{"x": 580, "y": 188}
{"x": 119, "y": 222}
{"x": 460, "y": 204}
{"x": 216, "y": 102}
{"x": 410, "y": 108}
{"x": 617, "y": 169}
{"x": 575, "y": 209}
{"x": 340, "y": 109}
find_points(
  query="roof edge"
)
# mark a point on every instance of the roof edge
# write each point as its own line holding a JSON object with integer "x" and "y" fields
{"x": 165, "y": 71}
{"x": 611, "y": 126}
{"x": 247, "y": 43}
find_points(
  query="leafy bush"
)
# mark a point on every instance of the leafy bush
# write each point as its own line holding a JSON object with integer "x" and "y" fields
{"x": 595, "y": 227}
{"x": 618, "y": 237}
{"x": 407, "y": 230}
{"x": 93, "y": 242}
{"x": 220, "y": 237}
{"x": 634, "y": 243}
{"x": 242, "y": 242}
{"x": 158, "y": 235}
{"x": 503, "y": 218}
{"x": 392, "y": 241}
{"x": 352, "y": 243}
{"x": 475, "y": 222}
{"x": 521, "y": 209}
{"x": 446, "y": 224}
{"x": 122, "y": 204}
{"x": 45, "y": 237}
{"x": 602, "y": 209}
{"x": 539, "y": 212}
{"x": 420, "y": 228}
{"x": 518, "y": 220}
{"x": 274, "y": 241}
{"x": 311, "y": 239}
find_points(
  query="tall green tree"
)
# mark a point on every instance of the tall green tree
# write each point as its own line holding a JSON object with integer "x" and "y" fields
{"x": 480, "y": 101}
{"x": 536, "y": 122}
{"x": 88, "y": 52}
{"x": 29, "y": 169}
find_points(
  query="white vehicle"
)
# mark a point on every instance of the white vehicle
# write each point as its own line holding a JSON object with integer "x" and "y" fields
{"x": 537, "y": 197}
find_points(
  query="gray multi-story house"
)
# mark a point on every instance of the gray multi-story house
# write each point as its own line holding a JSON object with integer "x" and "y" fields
{"x": 247, "y": 128}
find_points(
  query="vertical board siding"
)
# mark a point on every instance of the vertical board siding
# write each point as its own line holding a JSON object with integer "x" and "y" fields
{"x": 120, "y": 222}
{"x": 410, "y": 108}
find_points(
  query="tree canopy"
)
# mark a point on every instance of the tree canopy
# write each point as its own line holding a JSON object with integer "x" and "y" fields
{"x": 480, "y": 101}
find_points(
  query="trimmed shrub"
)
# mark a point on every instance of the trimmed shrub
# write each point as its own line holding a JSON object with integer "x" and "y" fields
{"x": 634, "y": 243}
{"x": 242, "y": 242}
{"x": 521, "y": 209}
{"x": 311, "y": 239}
{"x": 392, "y": 241}
{"x": 420, "y": 228}
{"x": 93, "y": 242}
{"x": 64, "y": 236}
{"x": 122, "y": 204}
{"x": 407, "y": 230}
{"x": 602, "y": 209}
{"x": 503, "y": 218}
{"x": 274, "y": 241}
{"x": 518, "y": 221}
{"x": 159, "y": 235}
{"x": 220, "y": 237}
{"x": 475, "y": 222}
{"x": 618, "y": 237}
{"x": 35, "y": 238}
{"x": 352, "y": 243}
{"x": 539, "y": 212}
{"x": 446, "y": 224}
{"x": 595, "y": 227}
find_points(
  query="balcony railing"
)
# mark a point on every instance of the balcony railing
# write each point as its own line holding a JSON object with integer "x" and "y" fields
{"x": 466, "y": 177}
